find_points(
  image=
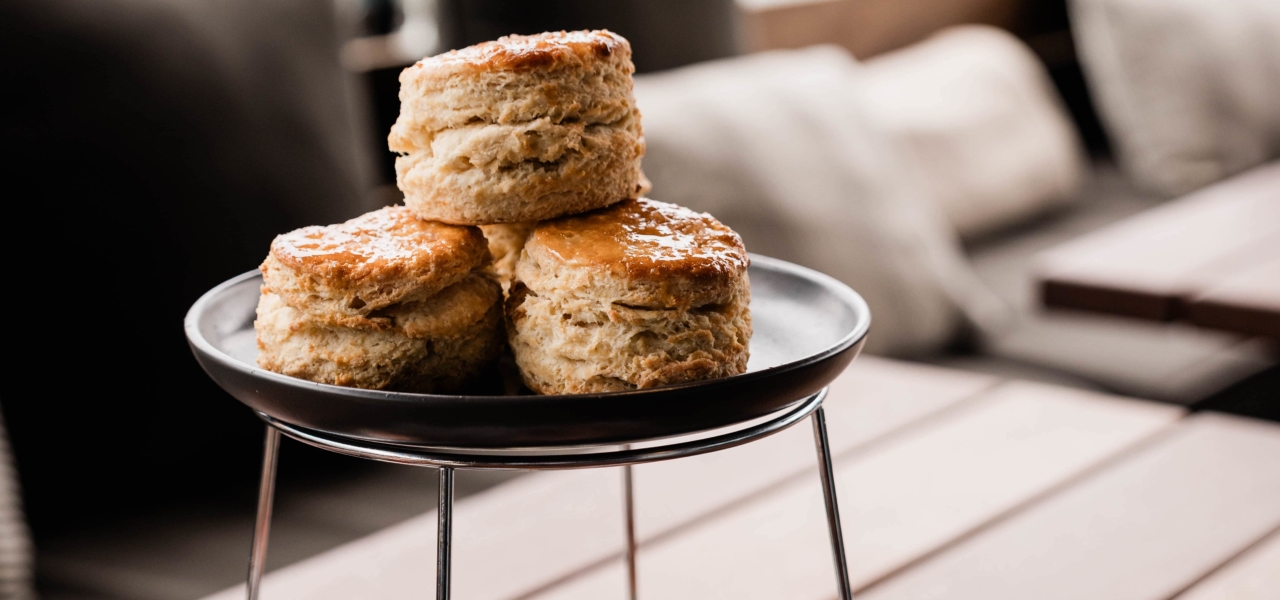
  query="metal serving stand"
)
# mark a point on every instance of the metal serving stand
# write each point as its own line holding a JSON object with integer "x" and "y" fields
{"x": 808, "y": 328}
{"x": 448, "y": 460}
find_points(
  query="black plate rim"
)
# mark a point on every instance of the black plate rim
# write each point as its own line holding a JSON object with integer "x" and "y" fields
{"x": 204, "y": 346}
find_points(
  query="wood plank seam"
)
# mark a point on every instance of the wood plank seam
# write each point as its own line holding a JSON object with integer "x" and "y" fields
{"x": 1028, "y": 419}
{"x": 971, "y": 402}
{"x": 1274, "y": 532}
{"x": 1206, "y": 278}
{"x": 1158, "y": 264}
{"x": 1062, "y": 294}
{"x": 1233, "y": 317}
{"x": 1139, "y": 530}
{"x": 1031, "y": 502}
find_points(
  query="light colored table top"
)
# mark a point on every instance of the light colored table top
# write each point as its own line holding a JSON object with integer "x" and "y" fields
{"x": 951, "y": 485}
{"x": 1211, "y": 257}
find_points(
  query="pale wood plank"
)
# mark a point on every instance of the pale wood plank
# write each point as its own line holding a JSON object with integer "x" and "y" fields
{"x": 531, "y": 532}
{"x": 1246, "y": 300}
{"x": 674, "y": 492}
{"x": 1258, "y": 285}
{"x": 1252, "y": 576}
{"x": 1158, "y": 248}
{"x": 900, "y": 500}
{"x": 1143, "y": 266}
{"x": 1141, "y": 530}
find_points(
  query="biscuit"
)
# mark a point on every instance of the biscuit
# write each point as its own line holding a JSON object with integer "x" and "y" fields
{"x": 351, "y": 273}
{"x": 524, "y": 128}
{"x": 506, "y": 240}
{"x": 436, "y": 345}
{"x": 636, "y": 295}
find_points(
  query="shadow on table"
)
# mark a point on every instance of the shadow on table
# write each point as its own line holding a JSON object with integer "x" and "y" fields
{"x": 1257, "y": 397}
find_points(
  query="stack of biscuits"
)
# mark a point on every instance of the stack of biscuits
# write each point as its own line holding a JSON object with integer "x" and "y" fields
{"x": 520, "y": 167}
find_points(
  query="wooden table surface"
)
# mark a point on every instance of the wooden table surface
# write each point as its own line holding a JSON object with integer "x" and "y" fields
{"x": 951, "y": 485}
{"x": 1211, "y": 258}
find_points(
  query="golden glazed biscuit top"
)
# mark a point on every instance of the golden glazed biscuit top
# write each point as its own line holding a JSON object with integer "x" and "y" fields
{"x": 645, "y": 238}
{"x": 385, "y": 244}
{"x": 524, "y": 52}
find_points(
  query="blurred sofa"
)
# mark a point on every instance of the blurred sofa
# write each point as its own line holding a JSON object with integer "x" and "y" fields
{"x": 927, "y": 178}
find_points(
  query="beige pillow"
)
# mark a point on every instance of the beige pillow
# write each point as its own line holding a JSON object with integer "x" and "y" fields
{"x": 1189, "y": 90}
{"x": 778, "y": 146}
{"x": 976, "y": 109}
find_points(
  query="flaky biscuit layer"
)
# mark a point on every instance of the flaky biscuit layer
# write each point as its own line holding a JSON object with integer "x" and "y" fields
{"x": 567, "y": 344}
{"x": 434, "y": 347}
{"x": 506, "y": 240}
{"x": 534, "y": 171}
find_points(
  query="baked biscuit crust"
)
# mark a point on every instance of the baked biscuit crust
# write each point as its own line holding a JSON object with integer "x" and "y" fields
{"x": 580, "y": 76}
{"x": 639, "y": 252}
{"x": 351, "y": 272}
{"x": 524, "y": 128}
{"x": 636, "y": 295}
{"x": 543, "y": 50}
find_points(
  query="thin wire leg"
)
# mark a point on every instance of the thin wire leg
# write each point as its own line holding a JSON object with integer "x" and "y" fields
{"x": 266, "y": 494}
{"x": 444, "y": 533}
{"x": 833, "y": 508}
{"x": 630, "y": 509}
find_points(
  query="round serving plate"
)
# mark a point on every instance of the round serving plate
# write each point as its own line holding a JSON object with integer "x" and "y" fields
{"x": 807, "y": 328}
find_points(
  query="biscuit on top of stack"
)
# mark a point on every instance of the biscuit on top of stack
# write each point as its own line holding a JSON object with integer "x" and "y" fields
{"x": 522, "y": 129}
{"x": 537, "y": 140}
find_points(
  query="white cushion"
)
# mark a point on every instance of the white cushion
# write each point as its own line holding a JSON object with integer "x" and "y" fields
{"x": 975, "y": 107}
{"x": 778, "y": 146}
{"x": 1189, "y": 90}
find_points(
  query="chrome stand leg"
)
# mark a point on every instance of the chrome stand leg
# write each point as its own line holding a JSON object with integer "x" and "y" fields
{"x": 444, "y": 533}
{"x": 630, "y": 508}
{"x": 262, "y": 528}
{"x": 833, "y": 509}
